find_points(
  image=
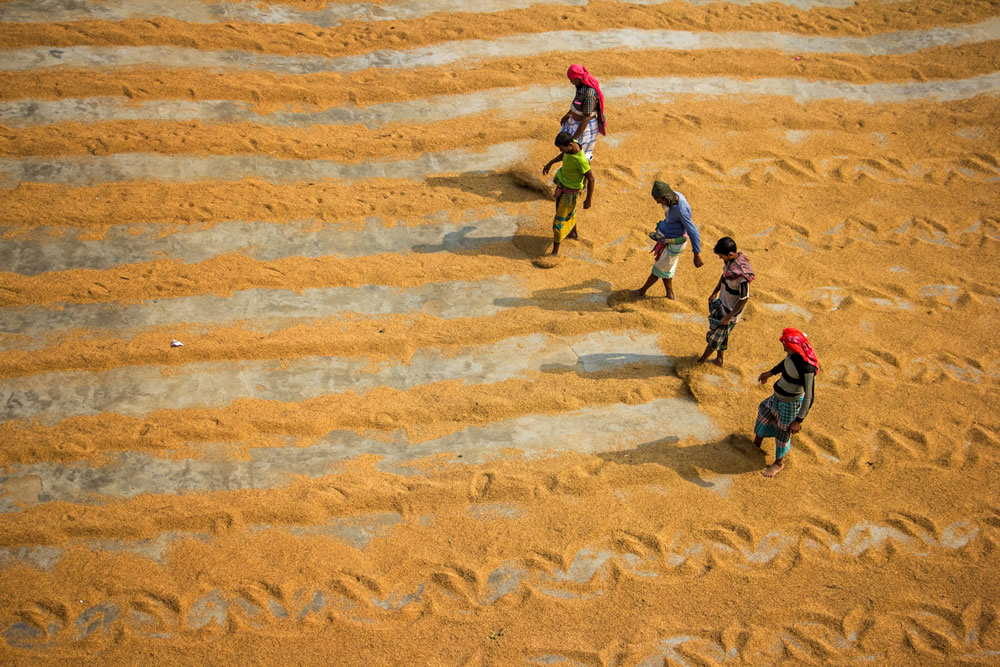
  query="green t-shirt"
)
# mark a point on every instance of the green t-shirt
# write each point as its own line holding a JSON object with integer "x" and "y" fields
{"x": 574, "y": 166}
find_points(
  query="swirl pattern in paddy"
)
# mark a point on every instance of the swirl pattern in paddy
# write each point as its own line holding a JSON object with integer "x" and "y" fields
{"x": 388, "y": 427}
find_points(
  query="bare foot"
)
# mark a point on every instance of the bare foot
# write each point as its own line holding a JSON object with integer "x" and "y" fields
{"x": 772, "y": 470}
{"x": 670, "y": 295}
{"x": 637, "y": 294}
{"x": 717, "y": 362}
{"x": 702, "y": 360}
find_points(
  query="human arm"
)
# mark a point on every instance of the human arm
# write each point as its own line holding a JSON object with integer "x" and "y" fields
{"x": 548, "y": 165}
{"x": 692, "y": 231}
{"x": 808, "y": 387}
{"x": 763, "y": 377}
{"x": 737, "y": 309}
{"x": 589, "y": 179}
{"x": 716, "y": 291}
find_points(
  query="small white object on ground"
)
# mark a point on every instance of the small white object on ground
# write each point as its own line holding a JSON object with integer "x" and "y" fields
{"x": 176, "y": 343}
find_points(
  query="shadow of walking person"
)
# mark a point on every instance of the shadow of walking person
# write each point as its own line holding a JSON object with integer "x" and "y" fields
{"x": 708, "y": 465}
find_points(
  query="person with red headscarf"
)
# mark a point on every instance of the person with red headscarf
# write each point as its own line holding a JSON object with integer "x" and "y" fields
{"x": 585, "y": 118}
{"x": 782, "y": 413}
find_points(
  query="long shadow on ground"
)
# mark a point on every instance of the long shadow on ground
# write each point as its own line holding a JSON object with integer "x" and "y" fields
{"x": 733, "y": 455}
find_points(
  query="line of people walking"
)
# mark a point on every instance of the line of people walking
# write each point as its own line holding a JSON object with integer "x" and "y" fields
{"x": 781, "y": 414}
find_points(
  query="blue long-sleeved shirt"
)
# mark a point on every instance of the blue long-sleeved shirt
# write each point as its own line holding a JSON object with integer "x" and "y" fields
{"x": 678, "y": 222}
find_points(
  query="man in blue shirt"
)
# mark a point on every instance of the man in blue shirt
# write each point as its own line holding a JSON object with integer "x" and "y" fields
{"x": 671, "y": 236}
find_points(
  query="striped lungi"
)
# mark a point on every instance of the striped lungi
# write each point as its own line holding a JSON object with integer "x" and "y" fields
{"x": 718, "y": 335}
{"x": 774, "y": 416}
{"x": 666, "y": 263}
{"x": 588, "y": 139}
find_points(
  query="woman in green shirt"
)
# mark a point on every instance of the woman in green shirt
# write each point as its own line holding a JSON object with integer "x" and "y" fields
{"x": 569, "y": 180}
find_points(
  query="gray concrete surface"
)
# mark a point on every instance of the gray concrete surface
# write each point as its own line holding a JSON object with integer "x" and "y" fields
{"x": 138, "y": 390}
{"x": 197, "y": 11}
{"x": 107, "y": 169}
{"x": 590, "y": 430}
{"x": 513, "y": 46}
{"x": 505, "y": 102}
{"x": 263, "y": 309}
{"x": 120, "y": 167}
{"x": 55, "y": 249}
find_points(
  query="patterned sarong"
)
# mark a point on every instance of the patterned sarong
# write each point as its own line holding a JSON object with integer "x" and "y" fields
{"x": 565, "y": 219}
{"x": 666, "y": 261}
{"x": 718, "y": 335}
{"x": 588, "y": 139}
{"x": 773, "y": 419}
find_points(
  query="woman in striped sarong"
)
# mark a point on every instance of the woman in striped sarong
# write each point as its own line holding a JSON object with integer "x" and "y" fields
{"x": 781, "y": 414}
{"x": 585, "y": 118}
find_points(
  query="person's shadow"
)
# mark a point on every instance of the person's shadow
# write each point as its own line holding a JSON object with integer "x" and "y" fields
{"x": 500, "y": 186}
{"x": 590, "y": 295}
{"x": 732, "y": 455}
{"x": 460, "y": 242}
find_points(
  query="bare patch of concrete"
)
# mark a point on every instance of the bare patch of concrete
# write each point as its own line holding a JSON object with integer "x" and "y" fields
{"x": 503, "y": 101}
{"x": 357, "y": 531}
{"x": 45, "y": 249}
{"x": 788, "y": 308}
{"x": 590, "y": 430}
{"x": 121, "y": 167}
{"x": 108, "y": 169}
{"x": 196, "y": 11}
{"x": 512, "y": 46}
{"x": 263, "y": 309}
{"x": 51, "y": 397}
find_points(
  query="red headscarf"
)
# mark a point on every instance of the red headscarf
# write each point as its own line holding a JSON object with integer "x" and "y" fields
{"x": 580, "y": 72}
{"x": 797, "y": 340}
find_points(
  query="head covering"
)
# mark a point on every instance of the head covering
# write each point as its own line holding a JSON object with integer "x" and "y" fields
{"x": 662, "y": 191}
{"x": 739, "y": 268}
{"x": 580, "y": 72}
{"x": 797, "y": 340}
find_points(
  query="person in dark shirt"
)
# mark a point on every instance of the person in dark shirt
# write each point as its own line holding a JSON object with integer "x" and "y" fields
{"x": 781, "y": 414}
{"x": 585, "y": 118}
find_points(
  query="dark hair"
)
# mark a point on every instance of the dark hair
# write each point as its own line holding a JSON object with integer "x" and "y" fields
{"x": 564, "y": 139}
{"x": 724, "y": 246}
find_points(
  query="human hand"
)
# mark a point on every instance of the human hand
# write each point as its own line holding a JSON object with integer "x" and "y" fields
{"x": 586, "y": 203}
{"x": 795, "y": 427}
{"x": 762, "y": 378}
{"x": 698, "y": 262}
{"x": 545, "y": 169}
